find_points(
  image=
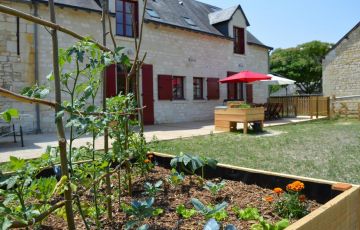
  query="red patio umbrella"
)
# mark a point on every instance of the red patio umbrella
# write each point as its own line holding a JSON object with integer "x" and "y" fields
{"x": 245, "y": 76}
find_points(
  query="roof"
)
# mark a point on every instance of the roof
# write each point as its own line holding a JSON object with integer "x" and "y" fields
{"x": 225, "y": 15}
{"x": 77, "y": 4}
{"x": 346, "y": 36}
{"x": 175, "y": 13}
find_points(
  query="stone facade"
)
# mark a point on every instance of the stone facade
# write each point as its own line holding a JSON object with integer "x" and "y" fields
{"x": 341, "y": 66}
{"x": 170, "y": 50}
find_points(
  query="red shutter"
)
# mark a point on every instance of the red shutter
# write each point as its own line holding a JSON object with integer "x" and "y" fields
{"x": 241, "y": 40}
{"x": 249, "y": 93}
{"x": 213, "y": 90}
{"x": 110, "y": 81}
{"x": 232, "y": 88}
{"x": 165, "y": 87}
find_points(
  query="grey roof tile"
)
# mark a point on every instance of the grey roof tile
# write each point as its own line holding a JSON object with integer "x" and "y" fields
{"x": 222, "y": 15}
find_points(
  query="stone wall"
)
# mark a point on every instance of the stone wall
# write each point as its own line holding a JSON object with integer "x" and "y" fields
{"x": 341, "y": 67}
{"x": 170, "y": 51}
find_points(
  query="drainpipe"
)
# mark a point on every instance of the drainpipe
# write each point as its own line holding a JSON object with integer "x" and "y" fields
{"x": 36, "y": 67}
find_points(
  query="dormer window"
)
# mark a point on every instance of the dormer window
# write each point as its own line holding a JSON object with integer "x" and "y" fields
{"x": 152, "y": 13}
{"x": 239, "y": 40}
{"x": 189, "y": 21}
{"x": 126, "y": 18}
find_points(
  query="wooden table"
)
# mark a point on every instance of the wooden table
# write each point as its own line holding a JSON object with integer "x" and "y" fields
{"x": 227, "y": 118}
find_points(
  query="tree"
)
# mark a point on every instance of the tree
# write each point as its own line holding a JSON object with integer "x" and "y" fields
{"x": 302, "y": 64}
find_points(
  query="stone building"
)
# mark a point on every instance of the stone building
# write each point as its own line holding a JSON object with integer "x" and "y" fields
{"x": 190, "y": 46}
{"x": 341, "y": 66}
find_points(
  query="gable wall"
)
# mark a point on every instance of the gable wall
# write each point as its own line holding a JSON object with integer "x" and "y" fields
{"x": 341, "y": 68}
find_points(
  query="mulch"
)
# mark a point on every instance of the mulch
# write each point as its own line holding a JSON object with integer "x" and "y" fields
{"x": 235, "y": 193}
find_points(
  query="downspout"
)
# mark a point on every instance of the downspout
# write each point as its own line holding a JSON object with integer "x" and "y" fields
{"x": 36, "y": 67}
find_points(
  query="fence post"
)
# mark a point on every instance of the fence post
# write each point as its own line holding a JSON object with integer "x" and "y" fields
{"x": 328, "y": 108}
{"x": 317, "y": 107}
{"x": 333, "y": 101}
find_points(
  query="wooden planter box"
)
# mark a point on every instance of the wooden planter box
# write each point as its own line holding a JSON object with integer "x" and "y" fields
{"x": 226, "y": 118}
{"x": 340, "y": 209}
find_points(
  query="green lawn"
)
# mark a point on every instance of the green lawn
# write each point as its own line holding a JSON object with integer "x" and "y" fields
{"x": 320, "y": 149}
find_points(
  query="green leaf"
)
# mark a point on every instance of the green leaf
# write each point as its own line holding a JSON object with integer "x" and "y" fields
{"x": 198, "y": 205}
{"x": 16, "y": 163}
{"x": 50, "y": 76}
{"x": 5, "y": 224}
{"x": 282, "y": 224}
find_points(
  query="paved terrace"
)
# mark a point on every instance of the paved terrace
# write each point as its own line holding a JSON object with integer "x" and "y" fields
{"x": 35, "y": 145}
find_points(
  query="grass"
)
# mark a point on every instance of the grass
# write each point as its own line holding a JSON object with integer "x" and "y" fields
{"x": 326, "y": 149}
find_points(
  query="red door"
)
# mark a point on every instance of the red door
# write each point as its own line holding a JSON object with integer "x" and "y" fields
{"x": 249, "y": 93}
{"x": 110, "y": 81}
{"x": 232, "y": 88}
{"x": 148, "y": 94}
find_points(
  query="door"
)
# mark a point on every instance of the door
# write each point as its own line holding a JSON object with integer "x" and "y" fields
{"x": 232, "y": 88}
{"x": 249, "y": 93}
{"x": 148, "y": 94}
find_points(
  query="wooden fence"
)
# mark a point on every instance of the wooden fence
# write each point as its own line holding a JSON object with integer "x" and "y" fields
{"x": 303, "y": 105}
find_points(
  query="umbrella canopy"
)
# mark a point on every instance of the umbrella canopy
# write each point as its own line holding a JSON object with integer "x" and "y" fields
{"x": 245, "y": 76}
{"x": 275, "y": 80}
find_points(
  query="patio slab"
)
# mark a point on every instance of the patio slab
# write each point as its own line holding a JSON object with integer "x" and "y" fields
{"x": 35, "y": 145}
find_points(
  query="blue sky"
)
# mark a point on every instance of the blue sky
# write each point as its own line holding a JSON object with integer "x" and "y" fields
{"x": 287, "y": 23}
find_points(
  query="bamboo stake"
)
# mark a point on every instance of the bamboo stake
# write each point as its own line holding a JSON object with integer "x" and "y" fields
{"x": 105, "y": 8}
{"x": 59, "y": 122}
{"x": 21, "y": 98}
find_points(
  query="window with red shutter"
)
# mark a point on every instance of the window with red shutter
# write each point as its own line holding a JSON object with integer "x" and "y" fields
{"x": 178, "y": 88}
{"x": 213, "y": 89}
{"x": 239, "y": 40}
{"x": 165, "y": 87}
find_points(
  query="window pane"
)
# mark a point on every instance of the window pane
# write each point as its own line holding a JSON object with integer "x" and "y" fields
{"x": 129, "y": 30}
{"x": 129, "y": 7}
{"x": 129, "y": 19}
{"x": 119, "y": 6}
{"x": 120, "y": 29}
{"x": 119, "y": 18}
{"x": 178, "y": 88}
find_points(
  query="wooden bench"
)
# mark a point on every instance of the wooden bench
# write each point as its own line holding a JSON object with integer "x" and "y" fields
{"x": 226, "y": 119}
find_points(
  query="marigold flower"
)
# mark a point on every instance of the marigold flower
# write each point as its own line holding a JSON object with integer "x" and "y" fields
{"x": 269, "y": 199}
{"x": 278, "y": 191}
{"x": 296, "y": 186}
{"x": 302, "y": 198}
{"x": 147, "y": 161}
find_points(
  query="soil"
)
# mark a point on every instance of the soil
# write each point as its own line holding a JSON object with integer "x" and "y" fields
{"x": 234, "y": 193}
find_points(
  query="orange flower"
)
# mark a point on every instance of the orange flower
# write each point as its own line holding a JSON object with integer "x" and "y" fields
{"x": 278, "y": 191}
{"x": 302, "y": 198}
{"x": 269, "y": 199}
{"x": 296, "y": 186}
{"x": 147, "y": 161}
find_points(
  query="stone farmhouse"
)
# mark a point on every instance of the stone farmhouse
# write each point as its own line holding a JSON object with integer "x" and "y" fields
{"x": 190, "y": 46}
{"x": 341, "y": 66}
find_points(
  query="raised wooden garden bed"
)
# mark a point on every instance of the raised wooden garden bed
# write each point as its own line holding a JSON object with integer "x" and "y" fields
{"x": 227, "y": 118}
{"x": 340, "y": 208}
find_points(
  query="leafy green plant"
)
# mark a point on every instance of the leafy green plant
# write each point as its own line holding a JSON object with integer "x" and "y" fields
{"x": 175, "y": 178}
{"x": 184, "y": 212}
{"x": 212, "y": 224}
{"x": 264, "y": 225}
{"x": 214, "y": 188}
{"x": 218, "y": 211}
{"x": 189, "y": 164}
{"x": 139, "y": 210}
{"x": 8, "y": 114}
{"x": 152, "y": 189}
{"x": 35, "y": 91}
{"x": 247, "y": 213}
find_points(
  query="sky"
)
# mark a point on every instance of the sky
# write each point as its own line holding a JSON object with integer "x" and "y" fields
{"x": 288, "y": 23}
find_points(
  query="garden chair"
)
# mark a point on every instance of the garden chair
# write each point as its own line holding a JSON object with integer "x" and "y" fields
{"x": 7, "y": 129}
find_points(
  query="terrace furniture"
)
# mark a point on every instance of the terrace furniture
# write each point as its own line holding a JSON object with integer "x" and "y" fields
{"x": 226, "y": 119}
{"x": 7, "y": 129}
